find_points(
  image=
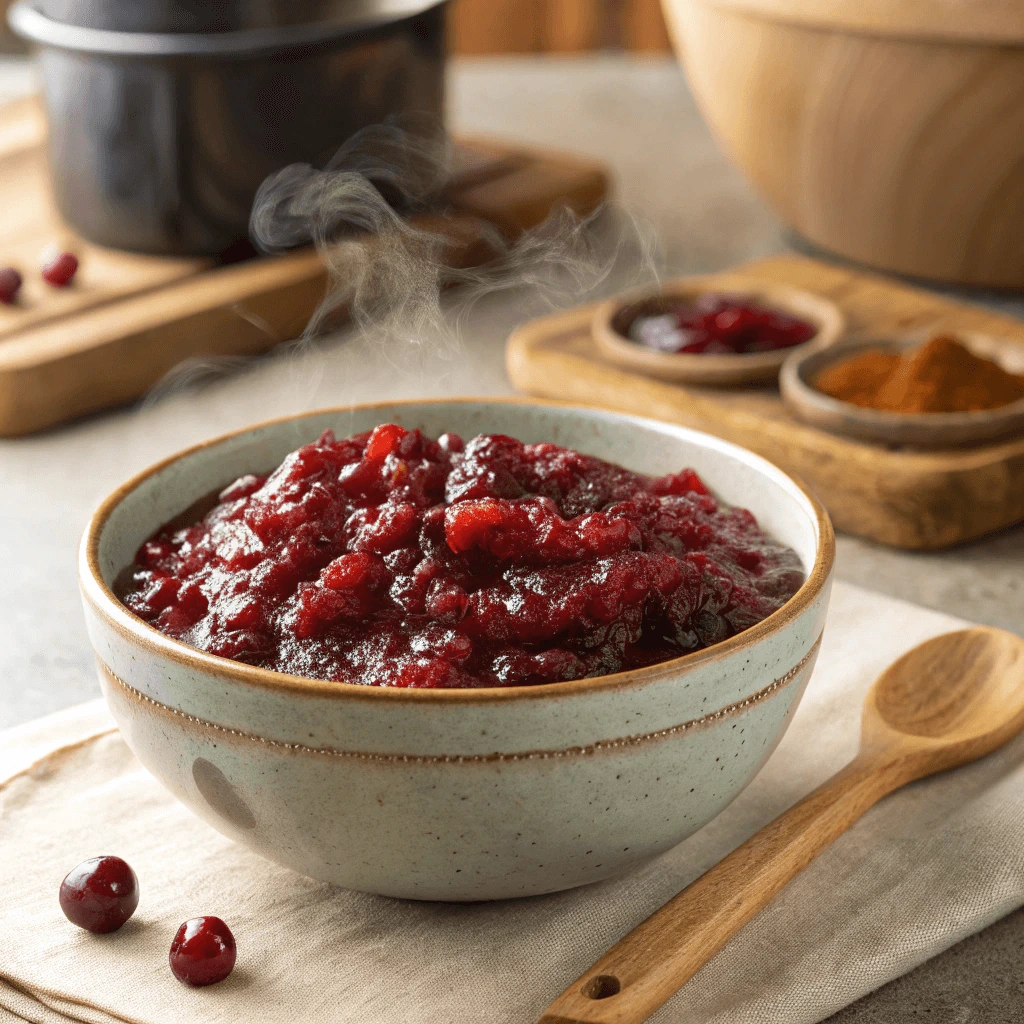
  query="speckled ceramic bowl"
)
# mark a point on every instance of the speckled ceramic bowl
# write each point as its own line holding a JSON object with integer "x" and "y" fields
{"x": 458, "y": 794}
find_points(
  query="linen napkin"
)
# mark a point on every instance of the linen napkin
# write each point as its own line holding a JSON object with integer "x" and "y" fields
{"x": 931, "y": 864}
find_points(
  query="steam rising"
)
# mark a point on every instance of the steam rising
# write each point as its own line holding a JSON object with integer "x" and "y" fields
{"x": 394, "y": 279}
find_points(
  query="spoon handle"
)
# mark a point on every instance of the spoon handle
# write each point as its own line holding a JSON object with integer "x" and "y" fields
{"x": 657, "y": 958}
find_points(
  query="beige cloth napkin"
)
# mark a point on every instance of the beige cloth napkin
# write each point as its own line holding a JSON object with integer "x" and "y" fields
{"x": 925, "y": 868}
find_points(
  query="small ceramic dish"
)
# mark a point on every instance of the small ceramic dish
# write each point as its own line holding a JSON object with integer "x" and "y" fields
{"x": 457, "y": 794}
{"x": 916, "y": 430}
{"x": 612, "y": 319}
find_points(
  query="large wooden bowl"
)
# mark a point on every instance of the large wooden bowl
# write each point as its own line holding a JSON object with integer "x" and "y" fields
{"x": 889, "y": 131}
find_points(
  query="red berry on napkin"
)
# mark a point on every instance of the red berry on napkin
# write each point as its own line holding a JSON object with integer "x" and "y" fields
{"x": 60, "y": 270}
{"x": 203, "y": 951}
{"x": 10, "y": 285}
{"x": 100, "y": 894}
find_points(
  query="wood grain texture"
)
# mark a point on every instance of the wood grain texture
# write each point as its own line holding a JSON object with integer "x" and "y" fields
{"x": 574, "y": 26}
{"x": 980, "y": 20}
{"x": 908, "y": 499}
{"x": 129, "y": 319}
{"x": 643, "y": 27}
{"x": 944, "y": 704}
{"x": 556, "y": 26}
{"x": 495, "y": 26}
{"x": 902, "y": 153}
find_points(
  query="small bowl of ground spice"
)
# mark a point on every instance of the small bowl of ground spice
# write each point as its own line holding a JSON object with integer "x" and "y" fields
{"x": 923, "y": 391}
{"x": 718, "y": 330}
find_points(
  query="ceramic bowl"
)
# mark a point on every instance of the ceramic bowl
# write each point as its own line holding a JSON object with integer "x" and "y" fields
{"x": 912, "y": 430}
{"x": 457, "y": 794}
{"x": 612, "y": 319}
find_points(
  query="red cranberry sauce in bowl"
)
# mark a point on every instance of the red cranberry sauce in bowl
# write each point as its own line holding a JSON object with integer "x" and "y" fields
{"x": 715, "y": 323}
{"x": 392, "y": 559}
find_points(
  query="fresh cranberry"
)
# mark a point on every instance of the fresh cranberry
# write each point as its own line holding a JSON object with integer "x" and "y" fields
{"x": 60, "y": 270}
{"x": 203, "y": 951}
{"x": 100, "y": 894}
{"x": 10, "y": 285}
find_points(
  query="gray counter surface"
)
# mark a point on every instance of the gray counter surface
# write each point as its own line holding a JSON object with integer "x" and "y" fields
{"x": 639, "y": 118}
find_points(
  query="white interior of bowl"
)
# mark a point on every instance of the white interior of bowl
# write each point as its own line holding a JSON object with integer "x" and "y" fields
{"x": 734, "y": 474}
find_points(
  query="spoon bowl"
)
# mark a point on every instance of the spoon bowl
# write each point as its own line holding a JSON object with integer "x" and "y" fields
{"x": 956, "y": 698}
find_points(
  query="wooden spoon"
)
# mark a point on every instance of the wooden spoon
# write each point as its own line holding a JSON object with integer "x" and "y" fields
{"x": 947, "y": 702}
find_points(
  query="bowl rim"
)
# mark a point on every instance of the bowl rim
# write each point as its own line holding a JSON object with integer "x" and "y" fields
{"x": 935, "y": 430}
{"x": 104, "y": 603}
{"x": 826, "y": 315}
{"x": 964, "y": 24}
{"x": 898, "y": 342}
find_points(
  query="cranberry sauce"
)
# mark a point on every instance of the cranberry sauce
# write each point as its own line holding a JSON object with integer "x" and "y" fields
{"x": 390, "y": 559}
{"x": 715, "y": 324}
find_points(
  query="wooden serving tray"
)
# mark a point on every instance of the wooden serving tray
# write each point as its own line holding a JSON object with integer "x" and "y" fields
{"x": 908, "y": 499}
{"x": 129, "y": 319}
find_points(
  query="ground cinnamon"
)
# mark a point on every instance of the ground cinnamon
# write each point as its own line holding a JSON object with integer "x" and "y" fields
{"x": 940, "y": 376}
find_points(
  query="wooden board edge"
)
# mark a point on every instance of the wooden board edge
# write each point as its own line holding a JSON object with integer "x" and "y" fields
{"x": 118, "y": 351}
{"x": 800, "y": 271}
{"x": 241, "y": 318}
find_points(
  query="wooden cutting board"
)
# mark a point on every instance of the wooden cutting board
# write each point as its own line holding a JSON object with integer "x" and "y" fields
{"x": 129, "y": 319}
{"x": 908, "y": 499}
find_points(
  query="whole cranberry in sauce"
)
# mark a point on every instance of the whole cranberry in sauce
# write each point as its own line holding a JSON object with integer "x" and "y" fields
{"x": 203, "y": 951}
{"x": 100, "y": 894}
{"x": 10, "y": 285}
{"x": 60, "y": 270}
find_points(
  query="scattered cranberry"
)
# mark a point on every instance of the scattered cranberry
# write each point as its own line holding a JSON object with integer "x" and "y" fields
{"x": 60, "y": 270}
{"x": 203, "y": 951}
{"x": 100, "y": 894}
{"x": 10, "y": 285}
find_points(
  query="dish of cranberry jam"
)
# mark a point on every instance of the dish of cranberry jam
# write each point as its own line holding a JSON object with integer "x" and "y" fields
{"x": 390, "y": 559}
{"x": 718, "y": 324}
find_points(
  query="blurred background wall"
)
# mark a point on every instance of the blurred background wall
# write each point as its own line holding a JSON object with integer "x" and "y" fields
{"x": 556, "y": 26}
{"x": 8, "y": 44}
{"x": 530, "y": 26}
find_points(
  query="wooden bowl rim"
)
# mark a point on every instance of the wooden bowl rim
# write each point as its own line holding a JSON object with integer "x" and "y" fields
{"x": 722, "y": 370}
{"x": 929, "y": 430}
{"x": 975, "y": 22}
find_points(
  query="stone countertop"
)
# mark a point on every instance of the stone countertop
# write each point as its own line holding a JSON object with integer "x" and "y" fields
{"x": 638, "y": 117}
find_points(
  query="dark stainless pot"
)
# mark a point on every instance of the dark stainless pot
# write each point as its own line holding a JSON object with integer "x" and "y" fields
{"x": 159, "y": 139}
